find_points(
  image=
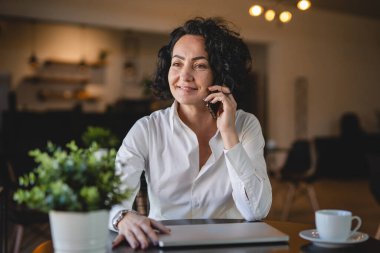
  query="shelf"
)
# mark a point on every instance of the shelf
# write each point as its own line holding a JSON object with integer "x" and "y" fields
{"x": 78, "y": 95}
{"x": 80, "y": 64}
{"x": 61, "y": 82}
{"x": 43, "y": 79}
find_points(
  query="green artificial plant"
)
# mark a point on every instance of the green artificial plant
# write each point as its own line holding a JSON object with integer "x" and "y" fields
{"x": 71, "y": 179}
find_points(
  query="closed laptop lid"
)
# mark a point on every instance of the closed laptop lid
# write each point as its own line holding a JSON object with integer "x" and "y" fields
{"x": 227, "y": 233}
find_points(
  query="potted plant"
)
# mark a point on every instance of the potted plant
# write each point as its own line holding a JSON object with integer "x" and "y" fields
{"x": 77, "y": 187}
{"x": 102, "y": 136}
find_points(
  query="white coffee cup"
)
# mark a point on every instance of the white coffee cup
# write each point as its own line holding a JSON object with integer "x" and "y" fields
{"x": 335, "y": 225}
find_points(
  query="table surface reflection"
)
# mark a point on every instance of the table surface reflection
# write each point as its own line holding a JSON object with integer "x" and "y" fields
{"x": 295, "y": 244}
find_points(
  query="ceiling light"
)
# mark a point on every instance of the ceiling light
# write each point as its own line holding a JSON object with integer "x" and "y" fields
{"x": 285, "y": 16}
{"x": 303, "y": 5}
{"x": 272, "y": 9}
{"x": 255, "y": 10}
{"x": 270, "y": 15}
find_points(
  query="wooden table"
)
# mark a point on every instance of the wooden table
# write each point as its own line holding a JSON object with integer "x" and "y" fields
{"x": 296, "y": 244}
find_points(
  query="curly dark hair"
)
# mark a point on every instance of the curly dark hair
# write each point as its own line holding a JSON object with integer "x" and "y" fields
{"x": 229, "y": 56}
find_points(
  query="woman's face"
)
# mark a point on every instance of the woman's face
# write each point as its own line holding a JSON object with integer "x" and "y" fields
{"x": 190, "y": 72}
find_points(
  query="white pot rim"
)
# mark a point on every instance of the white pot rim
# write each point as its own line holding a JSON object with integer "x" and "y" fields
{"x": 78, "y": 212}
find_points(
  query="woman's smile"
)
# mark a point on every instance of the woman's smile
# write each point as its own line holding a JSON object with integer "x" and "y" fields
{"x": 187, "y": 88}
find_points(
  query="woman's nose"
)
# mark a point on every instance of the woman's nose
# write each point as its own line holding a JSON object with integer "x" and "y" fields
{"x": 186, "y": 74}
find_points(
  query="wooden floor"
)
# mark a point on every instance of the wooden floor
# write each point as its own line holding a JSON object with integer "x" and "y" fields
{"x": 353, "y": 195}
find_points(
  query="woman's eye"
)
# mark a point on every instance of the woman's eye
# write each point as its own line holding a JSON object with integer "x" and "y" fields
{"x": 201, "y": 66}
{"x": 176, "y": 64}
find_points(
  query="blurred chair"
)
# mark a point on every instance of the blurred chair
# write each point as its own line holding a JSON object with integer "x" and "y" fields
{"x": 298, "y": 172}
{"x": 23, "y": 217}
{"x": 46, "y": 247}
{"x": 374, "y": 181}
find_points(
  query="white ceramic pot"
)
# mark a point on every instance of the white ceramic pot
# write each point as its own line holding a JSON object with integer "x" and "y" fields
{"x": 77, "y": 232}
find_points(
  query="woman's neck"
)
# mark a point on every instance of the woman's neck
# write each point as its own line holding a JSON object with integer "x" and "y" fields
{"x": 197, "y": 118}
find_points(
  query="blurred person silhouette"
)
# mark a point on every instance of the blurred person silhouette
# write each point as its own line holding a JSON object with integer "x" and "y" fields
{"x": 350, "y": 127}
{"x": 353, "y": 147}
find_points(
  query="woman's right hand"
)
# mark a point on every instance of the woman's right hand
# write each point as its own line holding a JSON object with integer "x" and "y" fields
{"x": 139, "y": 231}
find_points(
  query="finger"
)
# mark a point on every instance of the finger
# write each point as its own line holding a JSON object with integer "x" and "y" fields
{"x": 131, "y": 239}
{"x": 232, "y": 99}
{"x": 214, "y": 97}
{"x": 119, "y": 239}
{"x": 220, "y": 88}
{"x": 224, "y": 98}
{"x": 150, "y": 233}
{"x": 160, "y": 227}
{"x": 141, "y": 237}
{"x": 220, "y": 98}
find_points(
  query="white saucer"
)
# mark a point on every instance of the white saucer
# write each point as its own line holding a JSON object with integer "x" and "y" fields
{"x": 312, "y": 235}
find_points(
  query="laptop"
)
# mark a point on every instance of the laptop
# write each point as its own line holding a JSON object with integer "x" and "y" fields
{"x": 216, "y": 234}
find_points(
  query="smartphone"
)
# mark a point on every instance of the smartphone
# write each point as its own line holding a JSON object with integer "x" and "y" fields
{"x": 214, "y": 108}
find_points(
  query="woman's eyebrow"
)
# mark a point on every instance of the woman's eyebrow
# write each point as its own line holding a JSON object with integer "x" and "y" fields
{"x": 199, "y": 58}
{"x": 193, "y": 59}
{"x": 180, "y": 57}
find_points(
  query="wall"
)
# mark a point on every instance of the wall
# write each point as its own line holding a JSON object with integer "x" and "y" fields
{"x": 338, "y": 54}
{"x": 341, "y": 63}
{"x": 72, "y": 42}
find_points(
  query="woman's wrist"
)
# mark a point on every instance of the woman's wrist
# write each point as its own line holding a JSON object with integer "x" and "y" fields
{"x": 119, "y": 216}
{"x": 230, "y": 139}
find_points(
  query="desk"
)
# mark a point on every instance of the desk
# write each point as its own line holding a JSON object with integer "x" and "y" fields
{"x": 296, "y": 244}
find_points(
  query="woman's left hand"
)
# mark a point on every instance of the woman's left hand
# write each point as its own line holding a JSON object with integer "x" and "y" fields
{"x": 226, "y": 115}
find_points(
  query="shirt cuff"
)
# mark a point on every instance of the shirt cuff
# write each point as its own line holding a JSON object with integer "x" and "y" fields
{"x": 240, "y": 161}
{"x": 113, "y": 212}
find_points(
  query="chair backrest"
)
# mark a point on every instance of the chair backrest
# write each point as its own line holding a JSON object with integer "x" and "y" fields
{"x": 299, "y": 158}
{"x": 45, "y": 247}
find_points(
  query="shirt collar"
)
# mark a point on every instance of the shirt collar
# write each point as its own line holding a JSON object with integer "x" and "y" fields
{"x": 216, "y": 142}
{"x": 173, "y": 114}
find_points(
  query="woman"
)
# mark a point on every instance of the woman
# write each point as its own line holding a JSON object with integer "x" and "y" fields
{"x": 196, "y": 166}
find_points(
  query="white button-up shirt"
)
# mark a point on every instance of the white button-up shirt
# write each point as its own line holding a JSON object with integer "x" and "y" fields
{"x": 231, "y": 184}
